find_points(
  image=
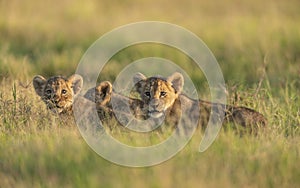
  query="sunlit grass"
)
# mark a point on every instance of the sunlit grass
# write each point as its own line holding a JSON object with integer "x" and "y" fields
{"x": 257, "y": 44}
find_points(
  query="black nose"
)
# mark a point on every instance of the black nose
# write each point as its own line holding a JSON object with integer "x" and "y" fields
{"x": 55, "y": 99}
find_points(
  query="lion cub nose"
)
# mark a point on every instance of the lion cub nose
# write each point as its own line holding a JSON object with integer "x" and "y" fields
{"x": 154, "y": 103}
{"x": 55, "y": 98}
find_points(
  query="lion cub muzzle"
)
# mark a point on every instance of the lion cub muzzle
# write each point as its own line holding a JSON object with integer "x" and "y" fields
{"x": 155, "y": 109}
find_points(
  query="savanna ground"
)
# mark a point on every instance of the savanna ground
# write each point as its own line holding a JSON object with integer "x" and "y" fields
{"x": 257, "y": 44}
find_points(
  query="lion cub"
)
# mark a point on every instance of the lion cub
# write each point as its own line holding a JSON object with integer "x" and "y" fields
{"x": 163, "y": 97}
{"x": 109, "y": 101}
{"x": 58, "y": 92}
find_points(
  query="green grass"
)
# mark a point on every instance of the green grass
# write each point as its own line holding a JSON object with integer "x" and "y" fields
{"x": 255, "y": 42}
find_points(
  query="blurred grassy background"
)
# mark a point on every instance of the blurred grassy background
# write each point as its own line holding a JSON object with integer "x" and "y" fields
{"x": 254, "y": 42}
{"x": 49, "y": 37}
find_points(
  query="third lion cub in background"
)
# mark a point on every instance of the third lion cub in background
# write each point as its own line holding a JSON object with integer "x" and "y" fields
{"x": 112, "y": 102}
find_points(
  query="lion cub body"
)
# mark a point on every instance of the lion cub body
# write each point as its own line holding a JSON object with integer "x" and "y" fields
{"x": 163, "y": 97}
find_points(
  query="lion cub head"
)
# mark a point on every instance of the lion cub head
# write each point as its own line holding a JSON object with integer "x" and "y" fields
{"x": 105, "y": 98}
{"x": 101, "y": 94}
{"x": 58, "y": 92}
{"x": 158, "y": 93}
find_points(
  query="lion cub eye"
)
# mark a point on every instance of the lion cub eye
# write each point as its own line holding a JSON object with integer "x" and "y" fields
{"x": 163, "y": 93}
{"x": 147, "y": 94}
{"x": 48, "y": 91}
{"x": 63, "y": 91}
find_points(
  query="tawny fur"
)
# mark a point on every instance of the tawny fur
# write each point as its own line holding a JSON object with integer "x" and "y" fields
{"x": 163, "y": 96}
{"x": 108, "y": 102}
{"x": 58, "y": 92}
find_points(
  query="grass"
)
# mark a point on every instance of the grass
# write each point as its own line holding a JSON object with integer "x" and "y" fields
{"x": 257, "y": 45}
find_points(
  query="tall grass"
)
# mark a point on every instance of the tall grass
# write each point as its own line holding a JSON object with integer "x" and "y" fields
{"x": 257, "y": 44}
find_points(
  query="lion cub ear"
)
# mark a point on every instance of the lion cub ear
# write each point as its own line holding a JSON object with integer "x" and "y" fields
{"x": 103, "y": 92}
{"x": 138, "y": 85}
{"x": 177, "y": 81}
{"x": 76, "y": 82}
{"x": 138, "y": 77}
{"x": 39, "y": 83}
